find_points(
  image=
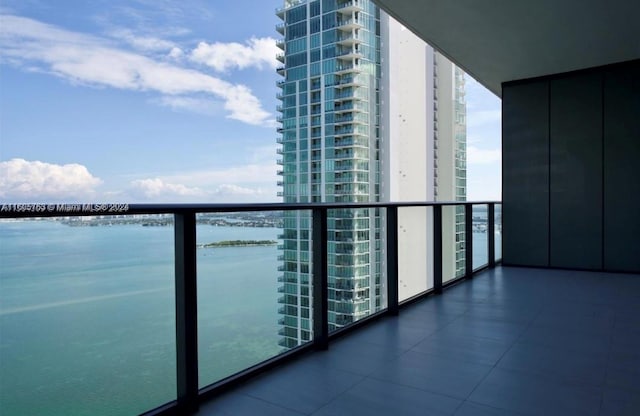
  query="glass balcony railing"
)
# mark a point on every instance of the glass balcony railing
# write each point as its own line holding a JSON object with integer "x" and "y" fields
{"x": 497, "y": 238}
{"x": 480, "y": 227}
{"x": 157, "y": 307}
{"x": 237, "y": 279}
{"x": 87, "y": 316}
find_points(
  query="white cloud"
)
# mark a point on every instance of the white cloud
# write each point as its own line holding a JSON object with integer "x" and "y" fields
{"x": 167, "y": 190}
{"x": 257, "y": 52}
{"x": 176, "y": 53}
{"x": 254, "y": 173}
{"x": 88, "y": 60}
{"x": 476, "y": 155}
{"x": 143, "y": 43}
{"x": 235, "y": 190}
{"x": 155, "y": 188}
{"x": 30, "y": 181}
{"x": 207, "y": 107}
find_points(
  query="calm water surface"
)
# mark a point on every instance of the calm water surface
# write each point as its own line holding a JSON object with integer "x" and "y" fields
{"x": 87, "y": 314}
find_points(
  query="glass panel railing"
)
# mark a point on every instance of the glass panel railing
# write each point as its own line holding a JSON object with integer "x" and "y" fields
{"x": 415, "y": 251}
{"x": 498, "y": 231}
{"x": 356, "y": 281}
{"x": 87, "y": 315}
{"x": 480, "y": 236}
{"x": 453, "y": 247}
{"x": 250, "y": 275}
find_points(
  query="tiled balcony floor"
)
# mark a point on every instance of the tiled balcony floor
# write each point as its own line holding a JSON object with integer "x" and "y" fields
{"x": 510, "y": 342}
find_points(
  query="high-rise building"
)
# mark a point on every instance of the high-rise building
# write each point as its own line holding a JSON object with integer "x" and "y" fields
{"x": 363, "y": 120}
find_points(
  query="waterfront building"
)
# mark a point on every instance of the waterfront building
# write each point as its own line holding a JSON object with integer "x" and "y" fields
{"x": 369, "y": 113}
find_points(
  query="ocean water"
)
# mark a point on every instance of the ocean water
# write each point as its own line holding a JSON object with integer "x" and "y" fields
{"x": 87, "y": 314}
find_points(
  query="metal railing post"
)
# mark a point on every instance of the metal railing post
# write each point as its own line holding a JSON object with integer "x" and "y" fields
{"x": 468, "y": 241}
{"x": 437, "y": 248}
{"x": 320, "y": 281}
{"x": 392, "y": 261}
{"x": 491, "y": 229}
{"x": 186, "y": 312}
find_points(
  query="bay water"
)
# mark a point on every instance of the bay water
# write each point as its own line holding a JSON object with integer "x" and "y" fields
{"x": 87, "y": 314}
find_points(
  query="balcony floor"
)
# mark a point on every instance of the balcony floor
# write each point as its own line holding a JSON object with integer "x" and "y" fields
{"x": 511, "y": 341}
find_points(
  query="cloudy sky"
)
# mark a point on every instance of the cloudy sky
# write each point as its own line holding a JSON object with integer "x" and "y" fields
{"x": 158, "y": 101}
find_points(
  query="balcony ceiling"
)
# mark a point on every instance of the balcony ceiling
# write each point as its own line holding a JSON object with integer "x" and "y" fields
{"x": 505, "y": 40}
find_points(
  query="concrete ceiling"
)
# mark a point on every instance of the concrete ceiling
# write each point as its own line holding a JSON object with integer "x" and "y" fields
{"x": 504, "y": 40}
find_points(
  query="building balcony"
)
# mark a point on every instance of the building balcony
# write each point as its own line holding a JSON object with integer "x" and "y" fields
{"x": 350, "y": 24}
{"x": 350, "y": 81}
{"x": 280, "y": 28}
{"x": 347, "y": 69}
{"x": 280, "y": 44}
{"x": 347, "y": 39}
{"x": 350, "y": 106}
{"x": 350, "y": 7}
{"x": 349, "y": 55}
{"x": 502, "y": 338}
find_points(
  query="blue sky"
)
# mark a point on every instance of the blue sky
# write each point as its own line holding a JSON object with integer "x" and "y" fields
{"x": 158, "y": 101}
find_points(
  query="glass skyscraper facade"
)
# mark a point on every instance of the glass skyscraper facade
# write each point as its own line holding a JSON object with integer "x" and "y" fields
{"x": 331, "y": 133}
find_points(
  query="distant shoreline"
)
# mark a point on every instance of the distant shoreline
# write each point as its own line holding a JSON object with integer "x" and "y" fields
{"x": 238, "y": 243}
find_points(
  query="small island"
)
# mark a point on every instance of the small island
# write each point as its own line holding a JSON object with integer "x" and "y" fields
{"x": 238, "y": 243}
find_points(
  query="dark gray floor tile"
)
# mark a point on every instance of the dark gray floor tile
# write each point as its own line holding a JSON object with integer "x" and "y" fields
{"x": 435, "y": 308}
{"x": 303, "y": 386}
{"x": 577, "y": 316}
{"x": 239, "y": 405}
{"x": 474, "y": 409}
{"x": 445, "y": 376}
{"x": 565, "y": 365}
{"x": 463, "y": 347}
{"x": 623, "y": 370}
{"x": 626, "y": 338}
{"x": 566, "y": 338}
{"x": 616, "y": 402}
{"x": 356, "y": 357}
{"x": 507, "y": 332}
{"x": 534, "y": 395}
{"x": 504, "y": 311}
{"x": 375, "y": 397}
{"x": 390, "y": 334}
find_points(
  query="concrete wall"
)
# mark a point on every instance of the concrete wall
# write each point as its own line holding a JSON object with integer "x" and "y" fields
{"x": 571, "y": 170}
{"x": 407, "y": 148}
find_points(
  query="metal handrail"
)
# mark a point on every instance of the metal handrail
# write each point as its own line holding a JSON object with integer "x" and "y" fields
{"x": 17, "y": 210}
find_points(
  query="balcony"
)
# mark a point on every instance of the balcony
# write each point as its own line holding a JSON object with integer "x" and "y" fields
{"x": 349, "y": 39}
{"x": 519, "y": 340}
{"x": 499, "y": 344}
{"x": 347, "y": 69}
{"x": 349, "y": 7}
{"x": 350, "y": 24}
{"x": 349, "y": 54}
